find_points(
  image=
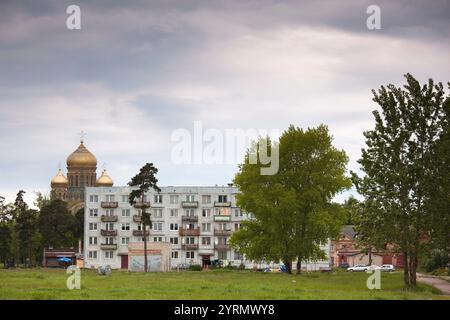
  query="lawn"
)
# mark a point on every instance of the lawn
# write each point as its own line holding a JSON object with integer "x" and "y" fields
{"x": 217, "y": 284}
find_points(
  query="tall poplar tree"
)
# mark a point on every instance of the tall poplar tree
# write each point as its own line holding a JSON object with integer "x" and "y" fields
{"x": 399, "y": 166}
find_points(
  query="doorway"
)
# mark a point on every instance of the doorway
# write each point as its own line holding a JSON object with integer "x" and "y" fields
{"x": 124, "y": 262}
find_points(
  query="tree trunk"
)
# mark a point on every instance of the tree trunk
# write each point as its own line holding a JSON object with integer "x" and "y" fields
{"x": 145, "y": 248}
{"x": 299, "y": 266}
{"x": 370, "y": 256}
{"x": 288, "y": 265}
{"x": 406, "y": 269}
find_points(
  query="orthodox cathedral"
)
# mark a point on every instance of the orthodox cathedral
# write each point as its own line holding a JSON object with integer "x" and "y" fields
{"x": 81, "y": 173}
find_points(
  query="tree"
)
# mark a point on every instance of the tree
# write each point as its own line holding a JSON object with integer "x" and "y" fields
{"x": 144, "y": 180}
{"x": 398, "y": 163}
{"x": 293, "y": 209}
{"x": 56, "y": 225}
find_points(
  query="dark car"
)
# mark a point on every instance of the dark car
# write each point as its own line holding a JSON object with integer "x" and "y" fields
{"x": 344, "y": 265}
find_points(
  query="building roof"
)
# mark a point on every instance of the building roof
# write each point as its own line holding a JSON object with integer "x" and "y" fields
{"x": 348, "y": 231}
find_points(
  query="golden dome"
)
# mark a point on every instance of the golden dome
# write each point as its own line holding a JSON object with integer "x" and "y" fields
{"x": 104, "y": 180}
{"x": 59, "y": 180}
{"x": 81, "y": 157}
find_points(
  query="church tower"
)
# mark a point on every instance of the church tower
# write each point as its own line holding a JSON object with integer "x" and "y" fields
{"x": 59, "y": 186}
{"x": 81, "y": 172}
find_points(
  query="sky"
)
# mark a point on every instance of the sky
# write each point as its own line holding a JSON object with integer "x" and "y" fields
{"x": 137, "y": 71}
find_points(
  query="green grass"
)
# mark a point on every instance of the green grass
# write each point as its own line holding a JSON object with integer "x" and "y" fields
{"x": 217, "y": 284}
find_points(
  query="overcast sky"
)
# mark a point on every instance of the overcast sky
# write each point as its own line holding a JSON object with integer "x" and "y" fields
{"x": 134, "y": 73}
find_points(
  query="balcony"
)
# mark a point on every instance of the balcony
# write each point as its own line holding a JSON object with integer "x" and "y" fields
{"x": 189, "y": 232}
{"x": 107, "y": 246}
{"x": 189, "y": 218}
{"x": 189, "y": 204}
{"x": 222, "y": 204}
{"x": 108, "y": 233}
{"x": 137, "y": 219}
{"x": 219, "y": 232}
{"x": 189, "y": 247}
{"x": 222, "y": 247}
{"x": 220, "y": 218}
{"x": 142, "y": 205}
{"x": 108, "y": 218}
{"x": 109, "y": 204}
{"x": 140, "y": 233}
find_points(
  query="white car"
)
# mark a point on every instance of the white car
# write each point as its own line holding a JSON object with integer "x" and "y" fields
{"x": 386, "y": 268}
{"x": 359, "y": 267}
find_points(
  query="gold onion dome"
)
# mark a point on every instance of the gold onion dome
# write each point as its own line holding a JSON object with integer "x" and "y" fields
{"x": 59, "y": 180}
{"x": 104, "y": 180}
{"x": 81, "y": 157}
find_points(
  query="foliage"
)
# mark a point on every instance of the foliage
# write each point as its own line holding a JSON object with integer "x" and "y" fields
{"x": 293, "y": 209}
{"x": 195, "y": 267}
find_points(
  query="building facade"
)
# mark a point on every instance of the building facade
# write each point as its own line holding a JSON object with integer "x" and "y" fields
{"x": 197, "y": 222}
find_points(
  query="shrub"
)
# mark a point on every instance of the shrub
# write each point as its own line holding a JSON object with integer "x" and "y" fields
{"x": 195, "y": 267}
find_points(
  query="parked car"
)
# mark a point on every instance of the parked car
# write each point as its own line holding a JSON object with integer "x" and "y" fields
{"x": 344, "y": 265}
{"x": 359, "y": 267}
{"x": 386, "y": 268}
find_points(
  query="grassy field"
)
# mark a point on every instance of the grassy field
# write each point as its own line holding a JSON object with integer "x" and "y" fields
{"x": 217, "y": 284}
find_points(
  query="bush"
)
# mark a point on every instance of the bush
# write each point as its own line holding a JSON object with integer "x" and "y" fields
{"x": 241, "y": 266}
{"x": 437, "y": 260}
{"x": 195, "y": 267}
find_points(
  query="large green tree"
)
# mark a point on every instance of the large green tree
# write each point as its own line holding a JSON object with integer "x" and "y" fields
{"x": 144, "y": 181}
{"x": 56, "y": 225}
{"x": 399, "y": 169}
{"x": 293, "y": 209}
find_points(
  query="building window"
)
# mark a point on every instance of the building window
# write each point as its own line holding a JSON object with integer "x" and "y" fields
{"x": 157, "y": 239}
{"x": 238, "y": 256}
{"x": 158, "y": 213}
{"x": 93, "y": 212}
{"x": 109, "y": 212}
{"x": 190, "y": 240}
{"x": 109, "y": 198}
{"x": 92, "y": 226}
{"x": 158, "y": 198}
{"x": 93, "y": 198}
{"x": 109, "y": 226}
{"x": 125, "y": 226}
{"x": 173, "y": 199}
{"x": 206, "y": 212}
{"x": 125, "y": 212}
{"x": 174, "y": 254}
{"x": 109, "y": 254}
{"x": 190, "y": 255}
{"x": 173, "y": 226}
{"x": 238, "y": 213}
{"x": 206, "y": 227}
{"x": 109, "y": 240}
{"x": 222, "y": 198}
{"x": 174, "y": 213}
{"x": 92, "y": 240}
{"x": 206, "y": 241}
{"x": 124, "y": 240}
{"x": 237, "y": 226}
{"x": 206, "y": 199}
{"x": 222, "y": 255}
{"x": 174, "y": 240}
{"x": 92, "y": 254}
{"x": 157, "y": 226}
{"x": 189, "y": 212}
{"x": 190, "y": 198}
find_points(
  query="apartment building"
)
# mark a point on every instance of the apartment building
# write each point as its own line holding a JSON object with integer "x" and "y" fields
{"x": 196, "y": 221}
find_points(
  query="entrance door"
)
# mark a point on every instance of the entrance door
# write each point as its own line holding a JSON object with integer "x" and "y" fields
{"x": 206, "y": 262}
{"x": 124, "y": 262}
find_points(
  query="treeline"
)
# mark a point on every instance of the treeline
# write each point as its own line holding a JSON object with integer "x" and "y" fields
{"x": 25, "y": 232}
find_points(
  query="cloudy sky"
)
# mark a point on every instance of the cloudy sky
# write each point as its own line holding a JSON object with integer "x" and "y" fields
{"x": 134, "y": 73}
